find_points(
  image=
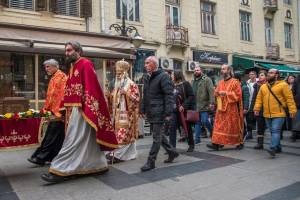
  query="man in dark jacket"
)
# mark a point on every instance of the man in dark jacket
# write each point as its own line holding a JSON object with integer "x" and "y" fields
{"x": 157, "y": 105}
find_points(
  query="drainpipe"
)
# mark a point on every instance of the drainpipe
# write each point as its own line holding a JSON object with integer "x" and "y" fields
{"x": 102, "y": 19}
{"x": 87, "y": 24}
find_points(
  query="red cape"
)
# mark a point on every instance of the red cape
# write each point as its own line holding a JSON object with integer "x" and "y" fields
{"x": 83, "y": 90}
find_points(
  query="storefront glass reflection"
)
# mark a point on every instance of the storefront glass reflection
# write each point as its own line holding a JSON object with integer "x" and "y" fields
{"x": 17, "y": 75}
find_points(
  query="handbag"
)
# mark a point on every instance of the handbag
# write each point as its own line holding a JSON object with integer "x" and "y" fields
{"x": 286, "y": 110}
{"x": 192, "y": 116}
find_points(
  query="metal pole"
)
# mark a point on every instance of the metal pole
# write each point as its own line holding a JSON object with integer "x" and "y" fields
{"x": 123, "y": 26}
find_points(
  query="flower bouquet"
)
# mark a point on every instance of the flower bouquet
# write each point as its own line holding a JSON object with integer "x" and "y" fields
{"x": 31, "y": 113}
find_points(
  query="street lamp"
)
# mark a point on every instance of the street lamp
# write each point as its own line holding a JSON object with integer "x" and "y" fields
{"x": 137, "y": 40}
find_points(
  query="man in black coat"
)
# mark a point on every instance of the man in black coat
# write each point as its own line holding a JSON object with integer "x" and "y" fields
{"x": 157, "y": 105}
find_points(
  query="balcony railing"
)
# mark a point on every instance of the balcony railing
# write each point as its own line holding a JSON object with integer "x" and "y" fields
{"x": 271, "y": 5}
{"x": 177, "y": 36}
{"x": 273, "y": 51}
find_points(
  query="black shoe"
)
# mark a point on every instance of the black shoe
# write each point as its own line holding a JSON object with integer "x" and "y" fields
{"x": 141, "y": 136}
{"x": 213, "y": 146}
{"x": 258, "y": 146}
{"x": 190, "y": 149}
{"x": 272, "y": 152}
{"x": 148, "y": 166}
{"x": 114, "y": 160}
{"x": 171, "y": 157}
{"x": 278, "y": 150}
{"x": 36, "y": 161}
{"x": 52, "y": 178}
{"x": 249, "y": 136}
{"x": 239, "y": 147}
{"x": 293, "y": 136}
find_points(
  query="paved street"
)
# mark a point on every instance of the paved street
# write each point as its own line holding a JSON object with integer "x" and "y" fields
{"x": 203, "y": 174}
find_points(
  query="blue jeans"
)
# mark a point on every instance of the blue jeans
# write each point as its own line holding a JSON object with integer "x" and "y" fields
{"x": 203, "y": 116}
{"x": 275, "y": 126}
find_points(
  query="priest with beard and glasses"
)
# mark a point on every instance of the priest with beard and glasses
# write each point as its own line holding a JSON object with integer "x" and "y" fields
{"x": 124, "y": 103}
{"x": 89, "y": 131}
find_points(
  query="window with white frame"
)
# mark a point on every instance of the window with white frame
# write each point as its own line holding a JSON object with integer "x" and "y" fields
{"x": 288, "y": 2}
{"x": 268, "y": 31}
{"x": 208, "y": 17}
{"x": 172, "y": 14}
{"x": 67, "y": 7}
{"x": 21, "y": 4}
{"x": 129, "y": 8}
{"x": 245, "y": 26}
{"x": 288, "y": 34}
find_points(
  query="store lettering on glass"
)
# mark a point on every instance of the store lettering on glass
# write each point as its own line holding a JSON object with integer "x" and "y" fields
{"x": 208, "y": 57}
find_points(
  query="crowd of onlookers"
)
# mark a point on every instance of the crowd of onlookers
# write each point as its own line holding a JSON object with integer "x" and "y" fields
{"x": 200, "y": 97}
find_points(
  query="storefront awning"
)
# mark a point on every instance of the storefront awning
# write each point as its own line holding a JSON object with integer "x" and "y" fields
{"x": 281, "y": 68}
{"x": 45, "y": 40}
{"x": 246, "y": 64}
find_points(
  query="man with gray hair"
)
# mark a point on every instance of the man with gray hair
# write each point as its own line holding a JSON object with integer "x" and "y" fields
{"x": 157, "y": 104}
{"x": 55, "y": 134}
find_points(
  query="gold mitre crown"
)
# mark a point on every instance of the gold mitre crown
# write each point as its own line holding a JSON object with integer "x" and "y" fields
{"x": 124, "y": 65}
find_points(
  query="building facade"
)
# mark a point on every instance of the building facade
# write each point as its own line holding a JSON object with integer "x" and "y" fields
{"x": 178, "y": 32}
{"x": 211, "y": 32}
{"x": 32, "y": 31}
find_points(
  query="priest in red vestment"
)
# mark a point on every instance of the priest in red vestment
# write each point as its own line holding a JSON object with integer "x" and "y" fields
{"x": 228, "y": 125}
{"x": 89, "y": 131}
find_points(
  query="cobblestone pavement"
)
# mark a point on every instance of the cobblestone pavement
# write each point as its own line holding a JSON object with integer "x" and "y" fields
{"x": 203, "y": 174}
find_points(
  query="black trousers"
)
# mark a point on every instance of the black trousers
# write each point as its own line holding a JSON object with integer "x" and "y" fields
{"x": 173, "y": 130}
{"x": 52, "y": 142}
{"x": 250, "y": 119}
{"x": 261, "y": 126}
{"x": 158, "y": 131}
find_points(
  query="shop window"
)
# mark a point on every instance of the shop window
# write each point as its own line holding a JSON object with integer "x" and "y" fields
{"x": 98, "y": 65}
{"x": 177, "y": 65}
{"x": 139, "y": 65}
{"x": 129, "y": 8}
{"x": 43, "y": 77}
{"x": 17, "y": 78}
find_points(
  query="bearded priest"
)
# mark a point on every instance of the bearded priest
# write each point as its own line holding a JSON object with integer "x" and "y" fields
{"x": 89, "y": 131}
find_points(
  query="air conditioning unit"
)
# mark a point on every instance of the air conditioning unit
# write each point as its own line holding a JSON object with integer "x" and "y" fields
{"x": 166, "y": 63}
{"x": 191, "y": 66}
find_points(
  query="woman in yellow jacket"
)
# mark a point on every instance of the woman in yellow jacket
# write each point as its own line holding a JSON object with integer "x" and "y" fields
{"x": 274, "y": 111}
